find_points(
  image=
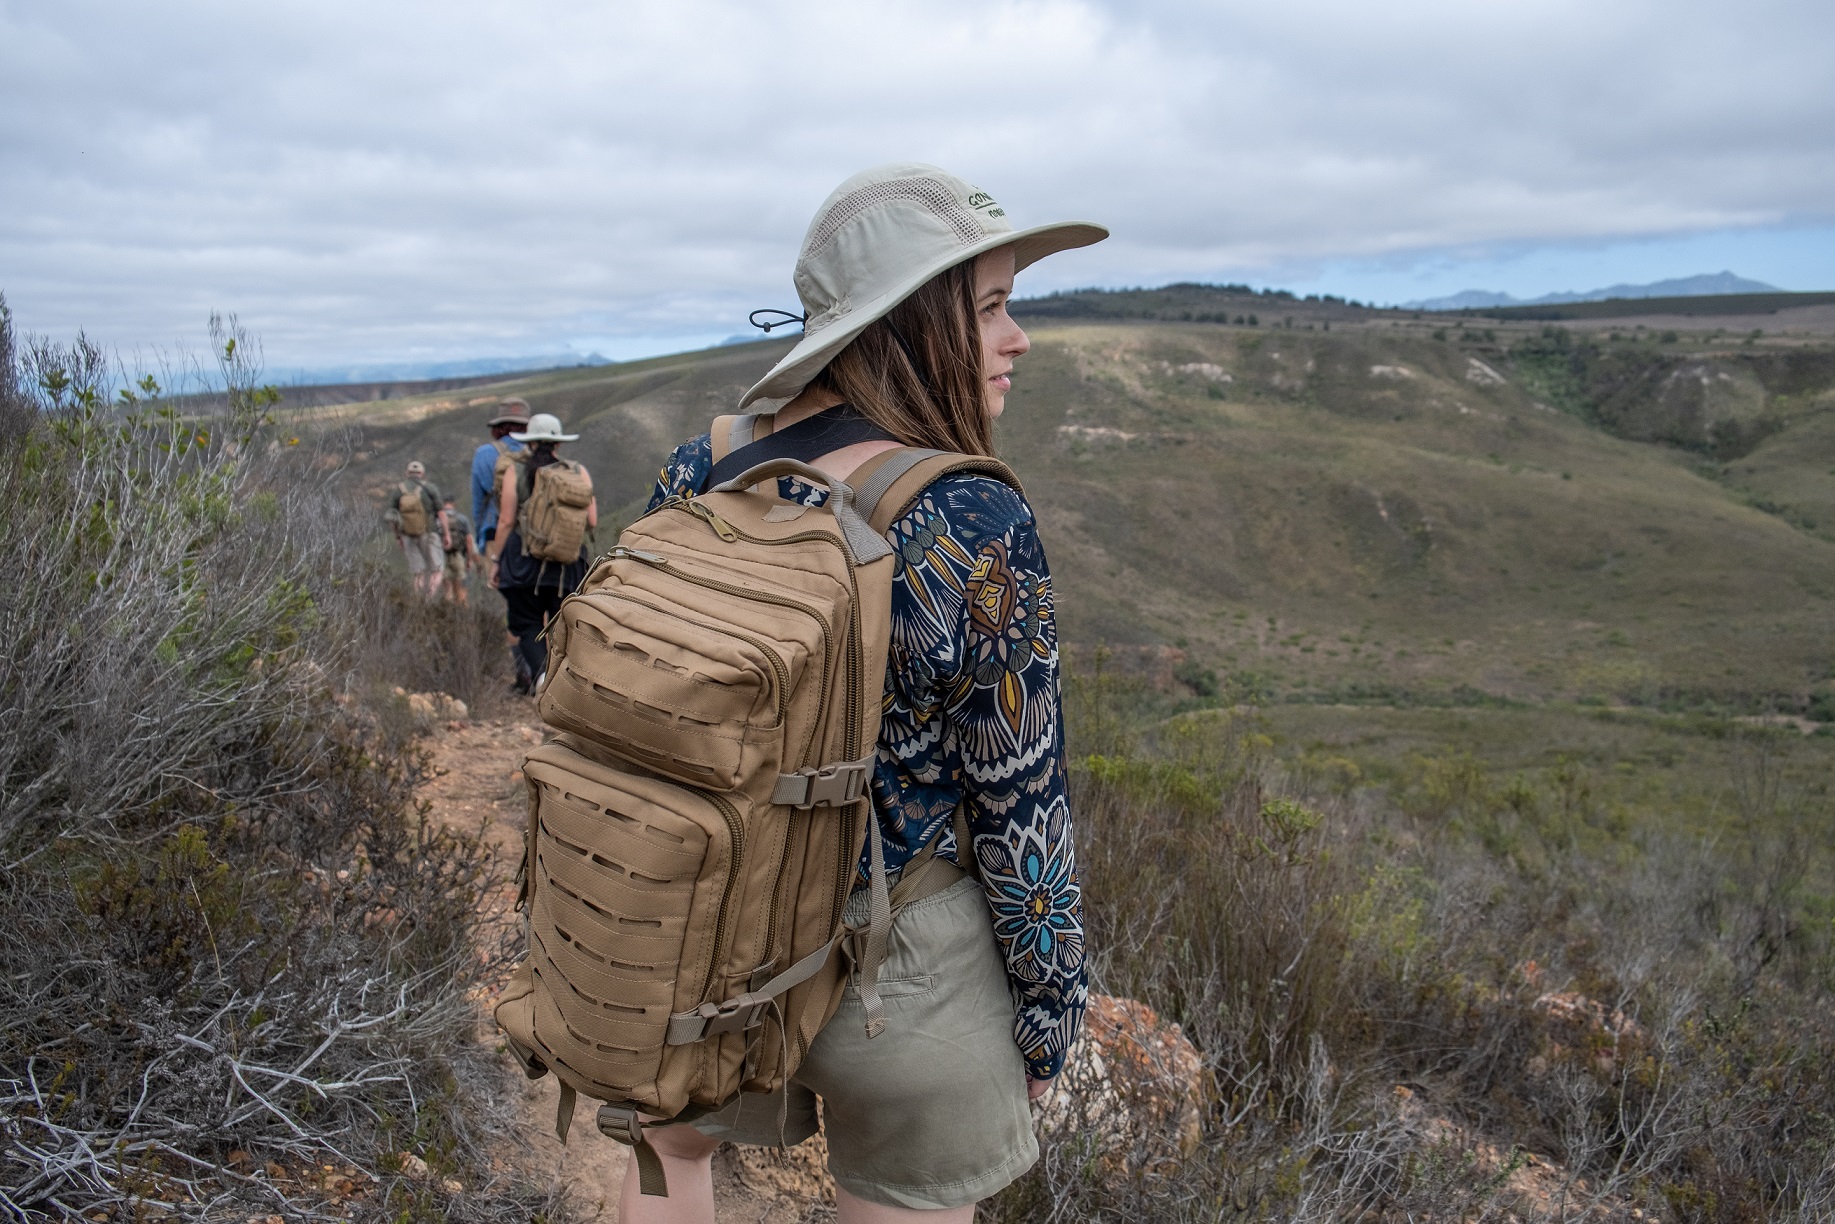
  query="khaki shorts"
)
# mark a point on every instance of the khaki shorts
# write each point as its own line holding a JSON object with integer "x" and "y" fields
{"x": 932, "y": 1113}
{"x": 455, "y": 567}
{"x": 425, "y": 553}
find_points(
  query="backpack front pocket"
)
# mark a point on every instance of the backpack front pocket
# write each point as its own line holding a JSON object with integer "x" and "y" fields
{"x": 633, "y": 880}
{"x": 692, "y": 700}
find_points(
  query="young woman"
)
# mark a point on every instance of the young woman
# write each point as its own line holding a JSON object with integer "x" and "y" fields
{"x": 906, "y": 273}
{"x": 532, "y": 589}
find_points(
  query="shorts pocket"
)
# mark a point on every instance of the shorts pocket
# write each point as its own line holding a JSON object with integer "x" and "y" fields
{"x": 897, "y": 988}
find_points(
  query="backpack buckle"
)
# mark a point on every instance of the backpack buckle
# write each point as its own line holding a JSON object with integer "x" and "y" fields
{"x": 621, "y": 1122}
{"x": 731, "y": 1018}
{"x": 828, "y": 786}
{"x": 713, "y": 1019}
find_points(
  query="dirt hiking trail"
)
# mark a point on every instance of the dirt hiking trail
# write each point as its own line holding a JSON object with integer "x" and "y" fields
{"x": 475, "y": 782}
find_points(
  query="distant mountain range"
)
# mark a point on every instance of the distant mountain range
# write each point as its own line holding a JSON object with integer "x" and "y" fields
{"x": 406, "y": 371}
{"x": 1683, "y": 286}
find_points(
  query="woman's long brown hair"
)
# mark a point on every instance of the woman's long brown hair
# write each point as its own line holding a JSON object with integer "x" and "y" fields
{"x": 943, "y": 404}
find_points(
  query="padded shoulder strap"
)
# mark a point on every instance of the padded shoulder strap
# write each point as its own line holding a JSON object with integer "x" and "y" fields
{"x": 889, "y": 484}
{"x": 807, "y": 440}
{"x": 729, "y": 433}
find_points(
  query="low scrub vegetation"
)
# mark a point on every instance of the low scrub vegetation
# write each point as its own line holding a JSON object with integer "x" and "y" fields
{"x": 236, "y": 962}
{"x": 1454, "y": 992}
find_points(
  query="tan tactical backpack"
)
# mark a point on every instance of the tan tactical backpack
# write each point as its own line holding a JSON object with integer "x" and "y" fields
{"x": 695, "y": 827}
{"x": 503, "y": 464}
{"x": 411, "y": 508}
{"x": 552, "y": 518}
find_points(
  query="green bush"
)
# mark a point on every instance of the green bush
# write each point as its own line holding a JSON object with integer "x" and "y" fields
{"x": 1409, "y": 977}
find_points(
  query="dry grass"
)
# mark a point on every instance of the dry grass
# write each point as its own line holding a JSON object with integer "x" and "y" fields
{"x": 234, "y": 954}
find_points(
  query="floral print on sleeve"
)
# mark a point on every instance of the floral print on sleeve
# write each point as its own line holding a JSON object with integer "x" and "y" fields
{"x": 972, "y": 716}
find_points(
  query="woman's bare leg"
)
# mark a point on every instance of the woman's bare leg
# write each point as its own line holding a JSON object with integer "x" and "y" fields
{"x": 688, "y": 1163}
{"x": 852, "y": 1210}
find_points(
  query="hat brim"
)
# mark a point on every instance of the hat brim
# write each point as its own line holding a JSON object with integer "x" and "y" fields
{"x": 507, "y": 420}
{"x": 535, "y": 437}
{"x": 817, "y": 348}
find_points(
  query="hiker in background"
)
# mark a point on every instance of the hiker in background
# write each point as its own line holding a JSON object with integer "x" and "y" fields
{"x": 488, "y": 465}
{"x": 489, "y": 461}
{"x": 420, "y": 529}
{"x": 462, "y": 555}
{"x": 545, "y": 515}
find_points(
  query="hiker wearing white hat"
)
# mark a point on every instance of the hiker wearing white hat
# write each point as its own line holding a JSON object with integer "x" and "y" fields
{"x": 544, "y": 427}
{"x": 904, "y": 277}
{"x": 545, "y": 517}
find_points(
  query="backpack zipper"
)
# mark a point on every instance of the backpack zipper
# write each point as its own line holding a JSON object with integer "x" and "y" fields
{"x": 854, "y": 663}
{"x": 844, "y": 870}
{"x": 721, "y": 527}
{"x": 737, "y": 828}
{"x": 658, "y": 561}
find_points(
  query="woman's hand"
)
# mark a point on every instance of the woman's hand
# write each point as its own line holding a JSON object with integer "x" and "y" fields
{"x": 490, "y": 565}
{"x": 1035, "y": 1088}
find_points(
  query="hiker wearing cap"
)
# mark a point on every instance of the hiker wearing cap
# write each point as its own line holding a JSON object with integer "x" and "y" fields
{"x": 490, "y": 460}
{"x": 462, "y": 555}
{"x": 537, "y": 555}
{"x": 420, "y": 528}
{"x": 905, "y": 274}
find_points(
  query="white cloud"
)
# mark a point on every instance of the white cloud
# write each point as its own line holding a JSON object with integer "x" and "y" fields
{"x": 370, "y": 181}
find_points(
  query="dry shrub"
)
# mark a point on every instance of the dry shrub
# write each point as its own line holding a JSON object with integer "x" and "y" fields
{"x": 230, "y": 948}
{"x": 1646, "y": 1005}
{"x": 1462, "y": 997}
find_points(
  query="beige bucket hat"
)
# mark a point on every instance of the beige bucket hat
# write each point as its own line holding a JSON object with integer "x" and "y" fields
{"x": 875, "y": 241}
{"x": 544, "y": 427}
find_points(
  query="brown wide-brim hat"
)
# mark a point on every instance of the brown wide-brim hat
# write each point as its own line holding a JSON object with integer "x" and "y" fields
{"x": 875, "y": 241}
{"x": 512, "y": 411}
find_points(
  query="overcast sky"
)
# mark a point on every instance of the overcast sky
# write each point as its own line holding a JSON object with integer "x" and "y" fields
{"x": 392, "y": 179}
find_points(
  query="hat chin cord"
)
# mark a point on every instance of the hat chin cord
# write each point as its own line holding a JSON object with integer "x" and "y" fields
{"x": 785, "y": 319}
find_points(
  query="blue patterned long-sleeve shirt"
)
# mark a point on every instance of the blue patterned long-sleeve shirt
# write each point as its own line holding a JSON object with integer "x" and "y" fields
{"x": 972, "y": 716}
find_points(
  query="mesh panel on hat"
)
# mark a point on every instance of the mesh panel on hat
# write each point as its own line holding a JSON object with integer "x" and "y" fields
{"x": 927, "y": 191}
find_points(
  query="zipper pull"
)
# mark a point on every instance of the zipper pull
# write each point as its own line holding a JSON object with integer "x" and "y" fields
{"x": 713, "y": 520}
{"x": 636, "y": 554}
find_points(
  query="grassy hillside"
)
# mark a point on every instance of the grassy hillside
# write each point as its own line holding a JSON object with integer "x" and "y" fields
{"x": 1456, "y": 929}
{"x": 1381, "y": 508}
{"x": 1699, "y": 305}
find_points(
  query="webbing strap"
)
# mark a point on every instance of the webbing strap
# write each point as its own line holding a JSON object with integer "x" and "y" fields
{"x": 924, "y": 876}
{"x": 622, "y": 1123}
{"x": 747, "y": 1010}
{"x": 886, "y": 475}
{"x": 563, "y": 1113}
{"x": 879, "y": 932}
